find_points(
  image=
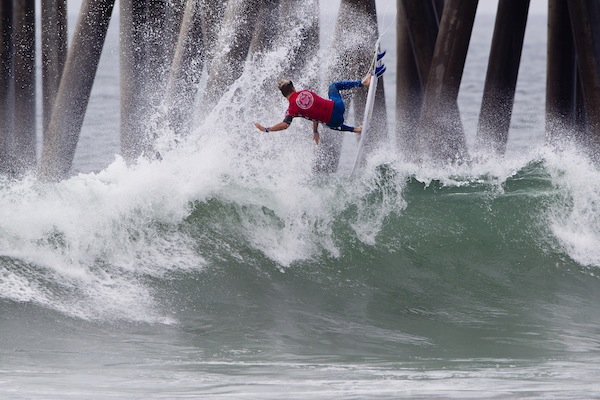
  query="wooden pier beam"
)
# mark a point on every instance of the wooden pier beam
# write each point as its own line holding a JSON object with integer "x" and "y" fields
{"x": 561, "y": 73}
{"x": 502, "y": 73}
{"x": 585, "y": 22}
{"x": 75, "y": 88}
{"x": 24, "y": 86}
{"x": 6, "y": 83}
{"x": 441, "y": 136}
{"x": 54, "y": 52}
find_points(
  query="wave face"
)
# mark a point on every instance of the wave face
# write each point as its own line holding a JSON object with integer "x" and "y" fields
{"x": 494, "y": 259}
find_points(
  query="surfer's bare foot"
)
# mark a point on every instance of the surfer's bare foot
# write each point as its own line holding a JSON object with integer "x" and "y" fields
{"x": 358, "y": 130}
{"x": 366, "y": 80}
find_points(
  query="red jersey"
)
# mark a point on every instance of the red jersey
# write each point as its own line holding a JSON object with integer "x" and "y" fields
{"x": 309, "y": 105}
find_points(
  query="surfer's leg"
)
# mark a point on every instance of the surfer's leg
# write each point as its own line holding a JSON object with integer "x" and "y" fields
{"x": 345, "y": 128}
{"x": 337, "y": 116}
{"x": 344, "y": 85}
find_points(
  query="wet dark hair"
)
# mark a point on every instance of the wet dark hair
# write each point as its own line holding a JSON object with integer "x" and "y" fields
{"x": 286, "y": 86}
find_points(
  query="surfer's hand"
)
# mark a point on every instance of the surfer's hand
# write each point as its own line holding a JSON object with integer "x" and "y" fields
{"x": 358, "y": 130}
{"x": 260, "y": 127}
{"x": 316, "y": 137}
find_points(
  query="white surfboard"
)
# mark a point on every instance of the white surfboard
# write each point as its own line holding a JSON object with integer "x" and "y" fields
{"x": 368, "y": 109}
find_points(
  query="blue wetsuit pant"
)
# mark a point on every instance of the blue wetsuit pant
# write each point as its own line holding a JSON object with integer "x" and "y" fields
{"x": 337, "y": 118}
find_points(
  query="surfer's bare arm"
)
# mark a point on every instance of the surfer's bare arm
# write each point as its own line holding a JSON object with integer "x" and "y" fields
{"x": 277, "y": 127}
{"x": 316, "y": 132}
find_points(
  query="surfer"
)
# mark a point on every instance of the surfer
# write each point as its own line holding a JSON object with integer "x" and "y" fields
{"x": 309, "y": 105}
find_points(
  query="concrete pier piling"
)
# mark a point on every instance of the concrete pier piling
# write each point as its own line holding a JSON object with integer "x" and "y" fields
{"x": 186, "y": 68}
{"x": 501, "y": 78}
{"x": 442, "y": 138}
{"x": 417, "y": 26}
{"x": 232, "y": 47}
{"x": 167, "y": 45}
{"x": 265, "y": 33}
{"x": 75, "y": 88}
{"x": 350, "y": 60}
{"x": 561, "y": 73}
{"x": 379, "y": 124}
{"x": 304, "y": 15}
{"x": 585, "y": 22}
{"x": 422, "y": 22}
{"x": 345, "y": 61}
{"x": 580, "y": 112}
{"x": 147, "y": 48}
{"x": 142, "y": 69}
{"x": 6, "y": 84}
{"x": 409, "y": 90}
{"x": 54, "y": 52}
{"x": 24, "y": 140}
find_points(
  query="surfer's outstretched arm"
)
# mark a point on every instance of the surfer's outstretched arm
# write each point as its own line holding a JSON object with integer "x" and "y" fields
{"x": 277, "y": 127}
{"x": 316, "y": 132}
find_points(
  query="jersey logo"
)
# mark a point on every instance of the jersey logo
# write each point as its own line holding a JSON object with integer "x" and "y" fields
{"x": 305, "y": 100}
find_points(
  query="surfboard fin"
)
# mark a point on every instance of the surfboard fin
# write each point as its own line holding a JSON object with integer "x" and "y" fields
{"x": 379, "y": 70}
{"x": 381, "y": 55}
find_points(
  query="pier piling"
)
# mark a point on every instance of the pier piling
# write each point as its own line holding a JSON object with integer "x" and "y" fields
{"x": 233, "y": 45}
{"x": 54, "y": 52}
{"x": 561, "y": 72}
{"x": 354, "y": 37}
{"x": 502, "y": 72}
{"x": 585, "y": 22}
{"x": 441, "y": 135}
{"x": 409, "y": 91}
{"x": 265, "y": 33}
{"x": 186, "y": 68}
{"x": 24, "y": 141}
{"x": 422, "y": 22}
{"x": 75, "y": 88}
{"x": 166, "y": 45}
{"x": 6, "y": 83}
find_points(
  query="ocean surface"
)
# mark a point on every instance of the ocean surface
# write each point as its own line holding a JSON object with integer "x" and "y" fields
{"x": 228, "y": 269}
